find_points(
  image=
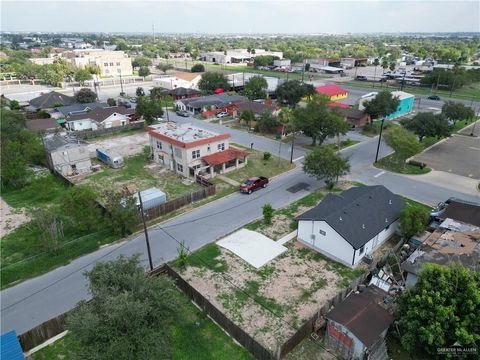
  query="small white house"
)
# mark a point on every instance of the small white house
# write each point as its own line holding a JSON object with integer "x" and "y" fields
{"x": 352, "y": 224}
{"x": 99, "y": 118}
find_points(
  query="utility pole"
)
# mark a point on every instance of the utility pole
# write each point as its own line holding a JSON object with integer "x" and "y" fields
{"x": 303, "y": 70}
{"x": 293, "y": 144}
{"x": 379, "y": 139}
{"x": 147, "y": 240}
{"x": 121, "y": 82}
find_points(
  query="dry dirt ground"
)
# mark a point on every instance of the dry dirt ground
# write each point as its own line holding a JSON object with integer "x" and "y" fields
{"x": 11, "y": 218}
{"x": 123, "y": 145}
{"x": 271, "y": 303}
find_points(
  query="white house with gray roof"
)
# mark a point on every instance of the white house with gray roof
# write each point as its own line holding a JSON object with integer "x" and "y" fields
{"x": 200, "y": 104}
{"x": 352, "y": 224}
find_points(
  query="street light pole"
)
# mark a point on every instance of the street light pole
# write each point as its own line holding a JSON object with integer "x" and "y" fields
{"x": 379, "y": 139}
{"x": 121, "y": 83}
{"x": 147, "y": 240}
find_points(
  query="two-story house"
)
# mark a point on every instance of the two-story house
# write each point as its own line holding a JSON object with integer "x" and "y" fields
{"x": 189, "y": 150}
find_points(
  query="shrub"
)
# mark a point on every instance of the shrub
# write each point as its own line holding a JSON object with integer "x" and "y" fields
{"x": 267, "y": 156}
{"x": 111, "y": 102}
{"x": 197, "y": 68}
{"x": 267, "y": 214}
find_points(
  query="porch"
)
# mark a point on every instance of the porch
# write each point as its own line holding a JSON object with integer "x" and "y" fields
{"x": 222, "y": 162}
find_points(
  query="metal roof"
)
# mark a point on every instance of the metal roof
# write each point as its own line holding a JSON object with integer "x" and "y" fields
{"x": 10, "y": 347}
{"x": 359, "y": 213}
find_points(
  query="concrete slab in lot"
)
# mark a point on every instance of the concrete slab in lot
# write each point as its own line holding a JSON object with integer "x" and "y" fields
{"x": 458, "y": 154}
{"x": 253, "y": 247}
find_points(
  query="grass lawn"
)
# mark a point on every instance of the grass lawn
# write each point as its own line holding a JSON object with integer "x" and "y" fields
{"x": 194, "y": 336}
{"x": 374, "y": 130}
{"x": 459, "y": 125}
{"x": 136, "y": 173}
{"x": 343, "y": 144}
{"x": 256, "y": 166}
{"x": 119, "y": 133}
{"x": 388, "y": 164}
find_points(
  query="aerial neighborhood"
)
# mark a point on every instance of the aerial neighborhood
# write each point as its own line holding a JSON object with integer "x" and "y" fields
{"x": 224, "y": 195}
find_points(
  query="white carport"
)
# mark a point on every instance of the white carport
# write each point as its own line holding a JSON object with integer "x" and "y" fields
{"x": 253, "y": 247}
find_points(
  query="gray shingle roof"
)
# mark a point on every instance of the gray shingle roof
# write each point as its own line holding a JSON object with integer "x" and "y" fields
{"x": 359, "y": 213}
{"x": 48, "y": 100}
{"x": 76, "y": 108}
{"x": 101, "y": 114}
{"x": 219, "y": 99}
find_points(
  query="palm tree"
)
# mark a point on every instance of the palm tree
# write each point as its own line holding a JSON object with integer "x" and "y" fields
{"x": 376, "y": 62}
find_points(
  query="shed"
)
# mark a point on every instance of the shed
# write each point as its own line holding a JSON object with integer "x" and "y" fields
{"x": 334, "y": 92}
{"x": 151, "y": 198}
{"x": 10, "y": 347}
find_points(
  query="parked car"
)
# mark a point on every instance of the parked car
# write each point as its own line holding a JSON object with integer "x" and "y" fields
{"x": 222, "y": 114}
{"x": 182, "y": 113}
{"x": 253, "y": 184}
{"x": 433, "y": 97}
{"x": 361, "y": 78}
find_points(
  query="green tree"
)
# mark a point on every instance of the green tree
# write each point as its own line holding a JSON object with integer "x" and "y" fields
{"x": 384, "y": 65}
{"x": 318, "y": 121}
{"x": 121, "y": 44}
{"x": 454, "y": 111}
{"x": 247, "y": 117}
{"x": 413, "y": 220}
{"x": 157, "y": 93}
{"x": 143, "y": 71}
{"x": 382, "y": 105}
{"x": 392, "y": 66}
{"x": 85, "y": 95}
{"x": 149, "y": 108}
{"x": 264, "y": 60}
{"x": 80, "y": 203}
{"x": 123, "y": 211}
{"x": 164, "y": 67}
{"x": 129, "y": 315}
{"x": 324, "y": 164}
{"x": 403, "y": 142}
{"x": 197, "y": 68}
{"x": 267, "y": 123}
{"x": 212, "y": 81}
{"x": 256, "y": 88}
{"x": 141, "y": 61}
{"x": 267, "y": 211}
{"x": 82, "y": 75}
{"x": 50, "y": 227}
{"x": 428, "y": 124}
{"x": 139, "y": 92}
{"x": 440, "y": 310}
{"x": 111, "y": 102}
{"x": 291, "y": 92}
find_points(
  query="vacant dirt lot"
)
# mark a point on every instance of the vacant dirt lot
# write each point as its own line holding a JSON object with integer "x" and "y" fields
{"x": 270, "y": 303}
{"x": 11, "y": 218}
{"x": 123, "y": 145}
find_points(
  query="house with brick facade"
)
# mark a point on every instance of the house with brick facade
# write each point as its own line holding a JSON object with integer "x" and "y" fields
{"x": 190, "y": 151}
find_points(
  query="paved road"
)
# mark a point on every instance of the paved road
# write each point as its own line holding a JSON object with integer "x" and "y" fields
{"x": 37, "y": 300}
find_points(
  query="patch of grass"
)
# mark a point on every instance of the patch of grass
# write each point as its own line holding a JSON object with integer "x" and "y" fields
{"x": 266, "y": 271}
{"x": 343, "y": 144}
{"x": 317, "y": 285}
{"x": 192, "y": 336}
{"x": 135, "y": 172}
{"x": 42, "y": 191}
{"x": 257, "y": 166}
{"x": 374, "y": 129}
{"x": 206, "y": 257}
{"x": 459, "y": 125}
{"x": 388, "y": 163}
{"x": 416, "y": 204}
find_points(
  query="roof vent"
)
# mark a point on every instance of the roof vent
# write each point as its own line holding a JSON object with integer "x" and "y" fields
{"x": 340, "y": 218}
{"x": 386, "y": 220}
{"x": 390, "y": 202}
{"x": 363, "y": 226}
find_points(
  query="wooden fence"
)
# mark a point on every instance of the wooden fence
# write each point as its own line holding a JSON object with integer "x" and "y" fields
{"x": 84, "y": 134}
{"x": 177, "y": 203}
{"x": 257, "y": 350}
{"x": 41, "y": 333}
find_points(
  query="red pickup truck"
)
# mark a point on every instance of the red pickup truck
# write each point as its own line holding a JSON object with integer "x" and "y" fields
{"x": 253, "y": 184}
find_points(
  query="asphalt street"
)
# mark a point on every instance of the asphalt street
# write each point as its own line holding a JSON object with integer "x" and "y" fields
{"x": 34, "y": 301}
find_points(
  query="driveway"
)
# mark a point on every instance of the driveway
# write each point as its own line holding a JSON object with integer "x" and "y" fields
{"x": 458, "y": 154}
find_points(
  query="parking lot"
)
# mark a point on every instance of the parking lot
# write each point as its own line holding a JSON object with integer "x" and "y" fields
{"x": 458, "y": 154}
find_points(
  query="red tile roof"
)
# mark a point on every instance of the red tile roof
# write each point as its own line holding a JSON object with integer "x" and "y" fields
{"x": 225, "y": 156}
{"x": 331, "y": 90}
{"x": 337, "y": 104}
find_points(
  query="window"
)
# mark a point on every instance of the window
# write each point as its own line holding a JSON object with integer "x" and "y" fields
{"x": 195, "y": 154}
{"x": 362, "y": 249}
{"x": 118, "y": 64}
{"x": 180, "y": 168}
{"x": 208, "y": 148}
{"x": 111, "y": 64}
{"x": 159, "y": 145}
{"x": 178, "y": 153}
{"x": 160, "y": 158}
{"x": 105, "y": 64}
{"x": 221, "y": 146}
{"x": 119, "y": 71}
{"x": 323, "y": 233}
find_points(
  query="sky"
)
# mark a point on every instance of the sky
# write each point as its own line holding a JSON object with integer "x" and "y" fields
{"x": 247, "y": 17}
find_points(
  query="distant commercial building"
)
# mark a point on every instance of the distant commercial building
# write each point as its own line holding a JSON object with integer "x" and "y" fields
{"x": 178, "y": 80}
{"x": 188, "y": 150}
{"x": 110, "y": 63}
{"x": 66, "y": 154}
{"x": 405, "y": 107}
{"x": 237, "y": 55}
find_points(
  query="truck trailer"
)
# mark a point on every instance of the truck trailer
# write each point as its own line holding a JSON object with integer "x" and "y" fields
{"x": 110, "y": 158}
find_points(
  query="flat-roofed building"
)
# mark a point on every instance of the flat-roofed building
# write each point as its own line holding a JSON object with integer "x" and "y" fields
{"x": 190, "y": 151}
